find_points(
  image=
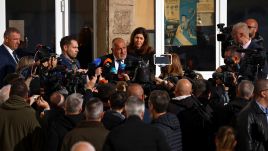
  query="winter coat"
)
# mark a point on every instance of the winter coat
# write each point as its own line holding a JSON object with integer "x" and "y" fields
{"x": 91, "y": 131}
{"x": 135, "y": 135}
{"x": 60, "y": 128}
{"x": 19, "y": 127}
{"x": 112, "y": 119}
{"x": 194, "y": 127}
{"x": 169, "y": 124}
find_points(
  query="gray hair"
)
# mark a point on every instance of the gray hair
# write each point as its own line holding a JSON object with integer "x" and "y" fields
{"x": 93, "y": 109}
{"x": 116, "y": 40}
{"x": 83, "y": 146}
{"x": 134, "y": 106}
{"x": 245, "y": 88}
{"x": 74, "y": 103}
{"x": 241, "y": 26}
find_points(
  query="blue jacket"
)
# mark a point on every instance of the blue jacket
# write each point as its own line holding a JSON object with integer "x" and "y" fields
{"x": 170, "y": 126}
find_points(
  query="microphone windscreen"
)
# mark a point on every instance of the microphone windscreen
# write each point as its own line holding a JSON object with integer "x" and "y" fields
{"x": 97, "y": 62}
{"x": 108, "y": 60}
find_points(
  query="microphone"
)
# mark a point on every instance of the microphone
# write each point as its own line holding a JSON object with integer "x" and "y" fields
{"x": 107, "y": 62}
{"x": 97, "y": 62}
{"x": 107, "y": 69}
{"x": 93, "y": 66}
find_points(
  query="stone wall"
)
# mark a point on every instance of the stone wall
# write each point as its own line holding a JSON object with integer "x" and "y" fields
{"x": 120, "y": 19}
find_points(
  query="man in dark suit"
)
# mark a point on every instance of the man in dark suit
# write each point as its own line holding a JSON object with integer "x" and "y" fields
{"x": 135, "y": 135}
{"x": 253, "y": 63}
{"x": 118, "y": 60}
{"x": 8, "y": 57}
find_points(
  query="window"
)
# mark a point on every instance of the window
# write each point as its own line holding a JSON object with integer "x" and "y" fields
{"x": 190, "y": 32}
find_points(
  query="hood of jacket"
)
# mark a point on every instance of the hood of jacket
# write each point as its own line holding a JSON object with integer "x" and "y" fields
{"x": 186, "y": 102}
{"x": 169, "y": 120}
{"x": 15, "y": 102}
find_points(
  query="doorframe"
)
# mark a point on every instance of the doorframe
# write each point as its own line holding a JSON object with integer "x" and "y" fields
{"x": 2, "y": 19}
{"x": 61, "y": 22}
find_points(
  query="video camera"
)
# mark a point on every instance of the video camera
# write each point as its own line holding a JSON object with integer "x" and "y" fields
{"x": 225, "y": 37}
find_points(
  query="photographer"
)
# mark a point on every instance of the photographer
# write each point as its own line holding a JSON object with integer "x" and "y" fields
{"x": 253, "y": 56}
{"x": 46, "y": 75}
{"x": 170, "y": 75}
{"x": 225, "y": 77}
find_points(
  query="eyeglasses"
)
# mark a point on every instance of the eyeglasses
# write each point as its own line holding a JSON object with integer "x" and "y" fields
{"x": 251, "y": 27}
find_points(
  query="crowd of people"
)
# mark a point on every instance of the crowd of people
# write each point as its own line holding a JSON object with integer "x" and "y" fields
{"x": 117, "y": 104}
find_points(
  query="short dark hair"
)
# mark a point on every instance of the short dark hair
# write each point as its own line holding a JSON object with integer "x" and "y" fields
{"x": 10, "y": 30}
{"x": 159, "y": 99}
{"x": 105, "y": 91}
{"x": 19, "y": 88}
{"x": 118, "y": 100}
{"x": 93, "y": 108}
{"x": 66, "y": 41}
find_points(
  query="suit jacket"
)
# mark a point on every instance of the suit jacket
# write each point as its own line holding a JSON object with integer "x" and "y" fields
{"x": 7, "y": 65}
{"x": 109, "y": 66}
{"x": 135, "y": 135}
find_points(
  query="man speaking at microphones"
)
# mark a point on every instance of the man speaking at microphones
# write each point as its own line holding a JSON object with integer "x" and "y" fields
{"x": 114, "y": 64}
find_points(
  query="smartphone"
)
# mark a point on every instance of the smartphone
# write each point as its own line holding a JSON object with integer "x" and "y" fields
{"x": 163, "y": 59}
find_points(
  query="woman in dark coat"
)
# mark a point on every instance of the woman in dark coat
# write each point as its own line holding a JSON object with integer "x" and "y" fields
{"x": 139, "y": 47}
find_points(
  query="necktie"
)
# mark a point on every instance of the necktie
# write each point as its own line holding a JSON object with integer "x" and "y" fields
{"x": 266, "y": 111}
{"x": 120, "y": 71}
{"x": 15, "y": 56}
{"x": 119, "y": 64}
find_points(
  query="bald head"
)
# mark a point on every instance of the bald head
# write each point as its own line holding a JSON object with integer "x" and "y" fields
{"x": 183, "y": 87}
{"x": 135, "y": 90}
{"x": 253, "y": 26}
{"x": 82, "y": 146}
{"x": 260, "y": 85}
